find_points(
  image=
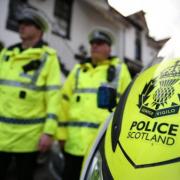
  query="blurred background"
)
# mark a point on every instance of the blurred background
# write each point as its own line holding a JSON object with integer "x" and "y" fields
{"x": 72, "y": 20}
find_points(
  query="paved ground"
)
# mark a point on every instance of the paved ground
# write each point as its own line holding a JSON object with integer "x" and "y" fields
{"x": 42, "y": 173}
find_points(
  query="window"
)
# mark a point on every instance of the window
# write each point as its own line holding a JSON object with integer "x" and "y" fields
{"x": 15, "y": 7}
{"x": 62, "y": 12}
{"x": 138, "y": 46}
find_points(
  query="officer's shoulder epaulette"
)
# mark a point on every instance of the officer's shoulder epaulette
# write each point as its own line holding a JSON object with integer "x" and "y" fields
{"x": 49, "y": 50}
{"x": 77, "y": 66}
{"x": 85, "y": 60}
{"x": 115, "y": 60}
{"x": 18, "y": 45}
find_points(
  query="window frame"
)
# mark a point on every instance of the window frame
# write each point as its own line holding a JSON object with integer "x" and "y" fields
{"x": 138, "y": 46}
{"x": 13, "y": 8}
{"x": 63, "y": 14}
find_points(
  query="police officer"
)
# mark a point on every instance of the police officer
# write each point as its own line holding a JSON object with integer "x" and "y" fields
{"x": 143, "y": 140}
{"x": 84, "y": 95}
{"x": 29, "y": 92}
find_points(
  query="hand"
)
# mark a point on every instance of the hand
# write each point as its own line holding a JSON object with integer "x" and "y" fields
{"x": 45, "y": 143}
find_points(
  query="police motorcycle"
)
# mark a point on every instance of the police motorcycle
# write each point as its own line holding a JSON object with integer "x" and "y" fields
{"x": 141, "y": 140}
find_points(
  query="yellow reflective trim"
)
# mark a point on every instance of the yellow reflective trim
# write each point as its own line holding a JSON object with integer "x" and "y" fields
{"x": 28, "y": 85}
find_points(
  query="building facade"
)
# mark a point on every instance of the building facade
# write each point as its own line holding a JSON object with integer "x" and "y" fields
{"x": 72, "y": 20}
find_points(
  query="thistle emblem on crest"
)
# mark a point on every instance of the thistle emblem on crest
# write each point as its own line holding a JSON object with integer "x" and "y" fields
{"x": 161, "y": 89}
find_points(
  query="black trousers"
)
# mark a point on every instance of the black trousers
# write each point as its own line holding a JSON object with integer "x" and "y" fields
{"x": 73, "y": 166}
{"x": 25, "y": 164}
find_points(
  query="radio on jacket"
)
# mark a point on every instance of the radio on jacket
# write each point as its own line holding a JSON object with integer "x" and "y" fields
{"x": 106, "y": 97}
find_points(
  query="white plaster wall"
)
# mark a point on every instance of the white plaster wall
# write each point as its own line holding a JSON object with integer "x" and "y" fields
{"x": 145, "y": 50}
{"x": 7, "y": 36}
{"x": 120, "y": 43}
{"x": 130, "y": 43}
{"x": 148, "y": 53}
{"x": 84, "y": 19}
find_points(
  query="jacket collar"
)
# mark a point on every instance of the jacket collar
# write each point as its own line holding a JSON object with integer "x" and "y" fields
{"x": 39, "y": 44}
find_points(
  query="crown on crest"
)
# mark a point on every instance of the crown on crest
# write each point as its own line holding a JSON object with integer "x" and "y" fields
{"x": 172, "y": 71}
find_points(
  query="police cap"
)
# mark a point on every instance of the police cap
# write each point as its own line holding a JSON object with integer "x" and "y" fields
{"x": 33, "y": 16}
{"x": 101, "y": 35}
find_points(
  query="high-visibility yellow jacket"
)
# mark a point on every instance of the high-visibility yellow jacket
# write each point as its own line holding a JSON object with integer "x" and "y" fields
{"x": 29, "y": 93}
{"x": 81, "y": 117}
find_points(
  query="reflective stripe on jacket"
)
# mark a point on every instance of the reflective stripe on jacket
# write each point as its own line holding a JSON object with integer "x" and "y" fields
{"x": 29, "y": 93}
{"x": 81, "y": 116}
